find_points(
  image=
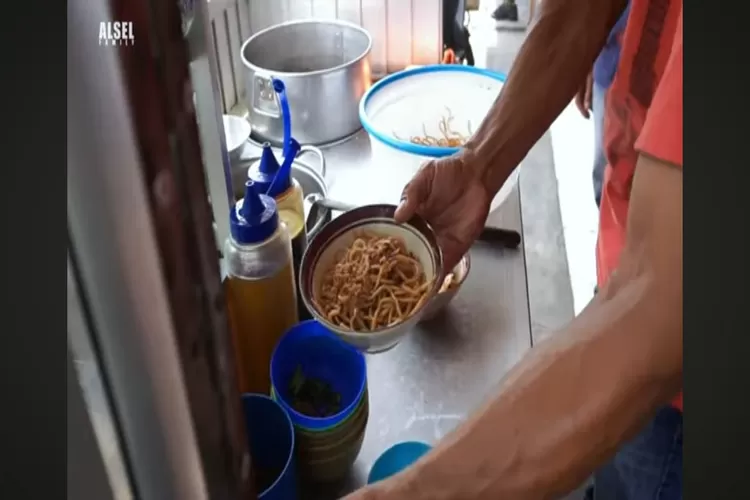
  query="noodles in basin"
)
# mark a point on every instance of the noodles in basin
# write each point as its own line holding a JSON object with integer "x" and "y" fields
{"x": 374, "y": 284}
{"x": 450, "y": 138}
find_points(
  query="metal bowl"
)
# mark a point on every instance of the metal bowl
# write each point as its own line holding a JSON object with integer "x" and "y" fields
{"x": 443, "y": 298}
{"x": 338, "y": 235}
{"x": 236, "y": 132}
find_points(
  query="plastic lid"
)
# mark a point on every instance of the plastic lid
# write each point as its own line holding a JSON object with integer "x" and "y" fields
{"x": 254, "y": 218}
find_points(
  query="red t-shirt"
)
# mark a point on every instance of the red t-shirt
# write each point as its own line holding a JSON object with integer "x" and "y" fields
{"x": 643, "y": 114}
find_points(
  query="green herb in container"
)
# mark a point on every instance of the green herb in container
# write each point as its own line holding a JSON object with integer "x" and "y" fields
{"x": 313, "y": 397}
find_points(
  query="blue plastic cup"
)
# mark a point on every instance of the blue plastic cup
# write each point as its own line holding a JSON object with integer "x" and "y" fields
{"x": 395, "y": 459}
{"x": 270, "y": 436}
{"x": 323, "y": 356}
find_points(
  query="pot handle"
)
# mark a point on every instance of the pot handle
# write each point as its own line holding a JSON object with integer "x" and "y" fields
{"x": 322, "y": 221}
{"x": 264, "y": 98}
{"x": 317, "y": 152}
{"x": 322, "y": 215}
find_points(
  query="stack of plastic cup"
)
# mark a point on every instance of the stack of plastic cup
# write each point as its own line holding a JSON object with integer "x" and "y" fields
{"x": 326, "y": 446}
{"x": 270, "y": 436}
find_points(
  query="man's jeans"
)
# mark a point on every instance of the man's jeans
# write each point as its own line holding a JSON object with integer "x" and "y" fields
{"x": 600, "y": 160}
{"x": 647, "y": 468}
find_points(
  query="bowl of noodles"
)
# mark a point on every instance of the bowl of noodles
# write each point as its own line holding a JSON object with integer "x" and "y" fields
{"x": 368, "y": 279}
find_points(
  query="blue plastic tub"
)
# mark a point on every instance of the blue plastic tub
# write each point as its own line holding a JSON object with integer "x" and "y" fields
{"x": 323, "y": 356}
{"x": 270, "y": 437}
{"x": 395, "y": 459}
{"x": 386, "y": 85}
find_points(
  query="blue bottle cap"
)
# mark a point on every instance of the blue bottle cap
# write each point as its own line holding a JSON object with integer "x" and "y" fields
{"x": 269, "y": 177}
{"x": 263, "y": 172}
{"x": 254, "y": 218}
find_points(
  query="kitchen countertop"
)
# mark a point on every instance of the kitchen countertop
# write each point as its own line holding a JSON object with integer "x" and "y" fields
{"x": 429, "y": 383}
{"x": 433, "y": 379}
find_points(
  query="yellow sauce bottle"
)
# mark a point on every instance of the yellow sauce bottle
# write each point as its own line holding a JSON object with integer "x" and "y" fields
{"x": 277, "y": 181}
{"x": 260, "y": 286}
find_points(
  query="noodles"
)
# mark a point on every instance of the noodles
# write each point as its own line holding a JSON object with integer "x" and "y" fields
{"x": 450, "y": 139}
{"x": 376, "y": 283}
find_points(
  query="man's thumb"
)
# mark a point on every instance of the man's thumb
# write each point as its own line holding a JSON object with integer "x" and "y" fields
{"x": 406, "y": 208}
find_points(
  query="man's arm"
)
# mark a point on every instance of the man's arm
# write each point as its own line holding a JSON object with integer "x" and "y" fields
{"x": 574, "y": 399}
{"x": 550, "y": 68}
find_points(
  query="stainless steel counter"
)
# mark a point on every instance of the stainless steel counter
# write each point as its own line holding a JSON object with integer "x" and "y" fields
{"x": 429, "y": 383}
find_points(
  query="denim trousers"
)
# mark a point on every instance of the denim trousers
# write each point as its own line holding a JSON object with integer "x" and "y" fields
{"x": 649, "y": 467}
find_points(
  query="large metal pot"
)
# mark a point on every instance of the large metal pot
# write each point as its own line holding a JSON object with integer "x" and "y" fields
{"x": 326, "y": 69}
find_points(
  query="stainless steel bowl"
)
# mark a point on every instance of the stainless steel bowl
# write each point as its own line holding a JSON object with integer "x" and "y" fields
{"x": 443, "y": 298}
{"x": 335, "y": 236}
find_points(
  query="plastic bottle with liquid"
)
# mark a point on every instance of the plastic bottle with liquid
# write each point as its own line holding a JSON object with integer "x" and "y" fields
{"x": 261, "y": 290}
{"x": 275, "y": 179}
{"x": 277, "y": 182}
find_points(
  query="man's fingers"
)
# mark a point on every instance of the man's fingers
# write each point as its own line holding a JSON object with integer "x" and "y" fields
{"x": 412, "y": 197}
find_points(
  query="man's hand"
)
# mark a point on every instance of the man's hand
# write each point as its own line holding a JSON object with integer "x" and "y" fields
{"x": 389, "y": 489}
{"x": 584, "y": 96}
{"x": 362, "y": 494}
{"x": 451, "y": 196}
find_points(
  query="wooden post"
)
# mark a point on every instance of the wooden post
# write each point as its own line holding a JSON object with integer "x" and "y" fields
{"x": 160, "y": 95}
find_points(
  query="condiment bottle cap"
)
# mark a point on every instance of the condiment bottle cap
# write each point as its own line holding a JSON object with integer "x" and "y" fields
{"x": 263, "y": 171}
{"x": 254, "y": 218}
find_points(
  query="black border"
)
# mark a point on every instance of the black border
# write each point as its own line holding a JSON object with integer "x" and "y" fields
{"x": 716, "y": 253}
{"x": 717, "y": 339}
{"x": 33, "y": 435}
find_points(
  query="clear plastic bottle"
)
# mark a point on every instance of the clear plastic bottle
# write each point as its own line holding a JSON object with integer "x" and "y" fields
{"x": 277, "y": 181}
{"x": 261, "y": 290}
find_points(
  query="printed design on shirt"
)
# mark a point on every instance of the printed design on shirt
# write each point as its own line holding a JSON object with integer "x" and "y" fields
{"x": 619, "y": 117}
{"x": 626, "y": 121}
{"x": 643, "y": 79}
